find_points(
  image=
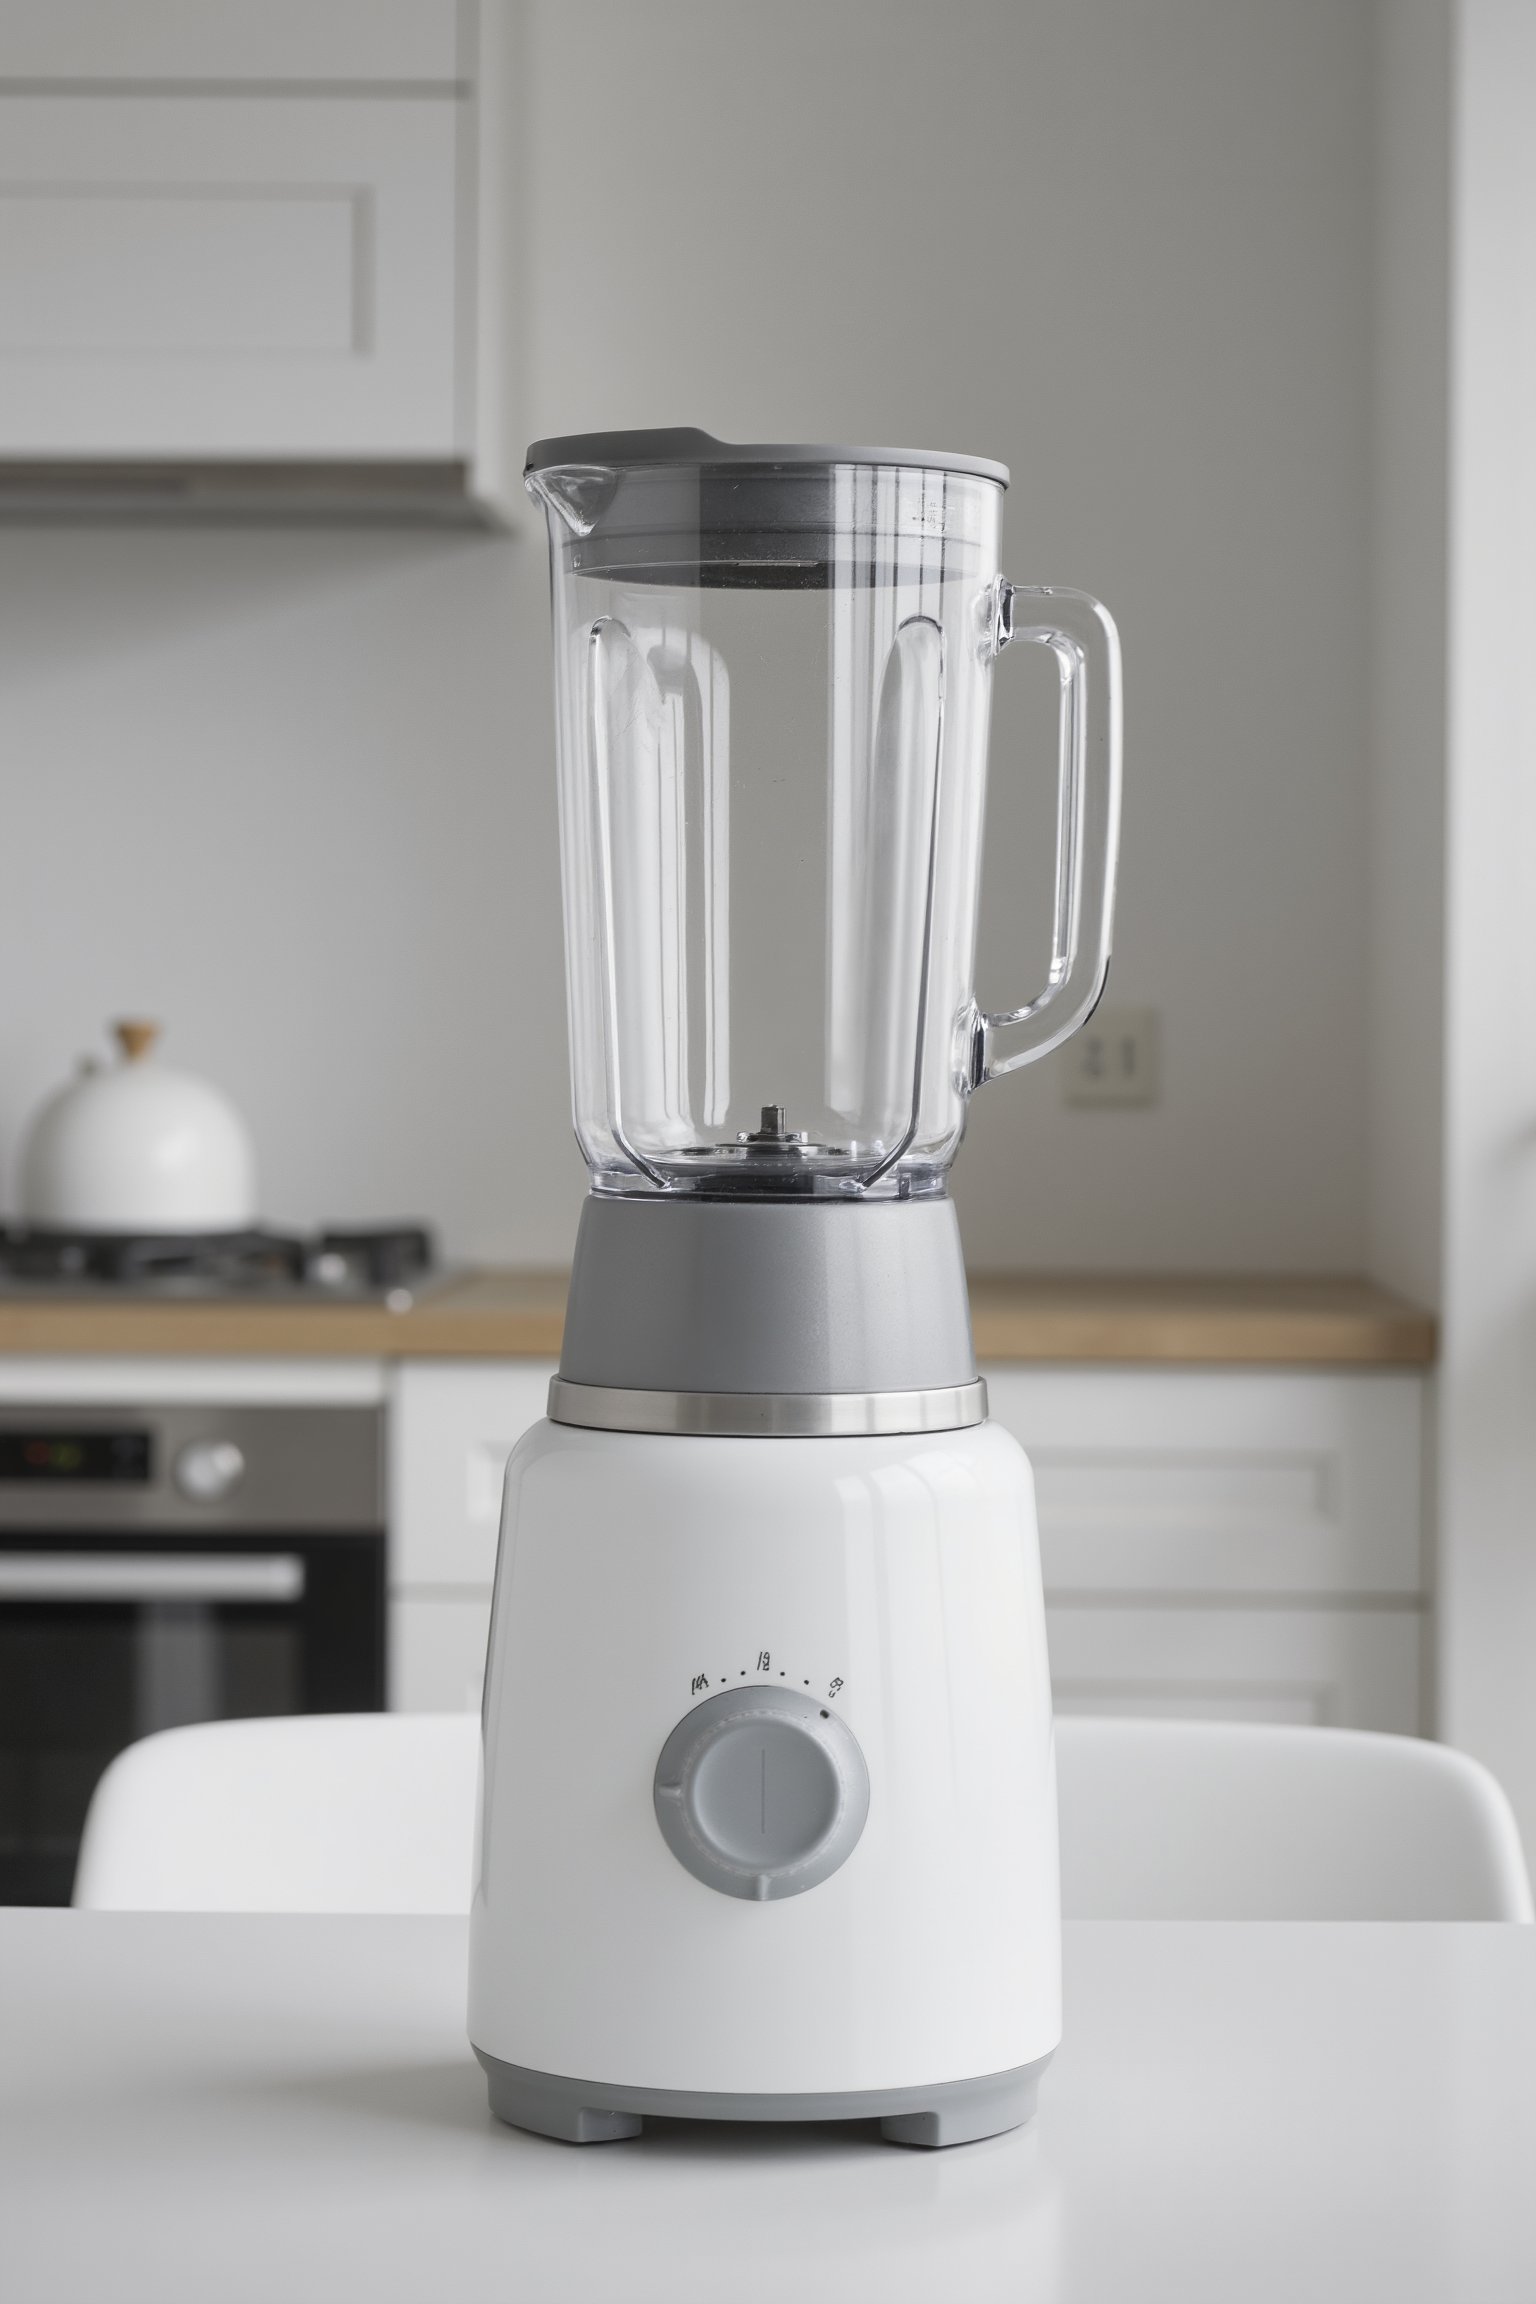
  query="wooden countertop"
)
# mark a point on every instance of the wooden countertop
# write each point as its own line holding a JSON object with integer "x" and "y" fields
{"x": 518, "y": 1315}
{"x": 1278, "y": 1322}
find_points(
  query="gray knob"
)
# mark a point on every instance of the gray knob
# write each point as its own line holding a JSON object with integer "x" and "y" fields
{"x": 761, "y": 1792}
{"x": 209, "y": 1470}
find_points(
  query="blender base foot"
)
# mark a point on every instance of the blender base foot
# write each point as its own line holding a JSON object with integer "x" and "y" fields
{"x": 602, "y": 2112}
{"x": 968, "y": 2111}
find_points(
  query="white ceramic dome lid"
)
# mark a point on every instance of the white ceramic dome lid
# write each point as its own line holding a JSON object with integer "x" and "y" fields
{"x": 138, "y": 1147}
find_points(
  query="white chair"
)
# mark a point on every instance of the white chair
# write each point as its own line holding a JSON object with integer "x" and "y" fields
{"x": 334, "y": 1812}
{"x": 1160, "y": 1820}
{"x": 1216, "y": 1820}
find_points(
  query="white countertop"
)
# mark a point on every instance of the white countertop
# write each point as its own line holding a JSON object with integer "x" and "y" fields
{"x": 285, "y": 2109}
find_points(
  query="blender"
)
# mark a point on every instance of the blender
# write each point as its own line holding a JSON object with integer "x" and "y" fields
{"x": 767, "y": 1822}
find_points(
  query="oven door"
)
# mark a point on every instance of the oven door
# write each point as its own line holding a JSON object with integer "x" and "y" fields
{"x": 106, "y": 1637}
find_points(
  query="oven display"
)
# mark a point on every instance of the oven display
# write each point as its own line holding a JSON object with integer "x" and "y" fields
{"x": 54, "y": 1458}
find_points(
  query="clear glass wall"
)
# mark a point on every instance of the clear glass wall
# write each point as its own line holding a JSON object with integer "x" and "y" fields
{"x": 772, "y": 687}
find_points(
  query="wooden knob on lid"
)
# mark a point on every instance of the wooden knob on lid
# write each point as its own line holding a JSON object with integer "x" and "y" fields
{"x": 135, "y": 1037}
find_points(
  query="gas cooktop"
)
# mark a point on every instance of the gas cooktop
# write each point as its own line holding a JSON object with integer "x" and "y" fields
{"x": 375, "y": 1264}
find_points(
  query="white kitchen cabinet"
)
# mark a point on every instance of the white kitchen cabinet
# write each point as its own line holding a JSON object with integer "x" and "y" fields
{"x": 228, "y": 277}
{"x": 452, "y": 1426}
{"x": 1242, "y": 1544}
{"x": 127, "y": 42}
{"x": 1229, "y": 1543}
{"x": 1194, "y": 1481}
{"x": 1322, "y": 1665}
{"x": 436, "y": 1650}
{"x": 260, "y": 260}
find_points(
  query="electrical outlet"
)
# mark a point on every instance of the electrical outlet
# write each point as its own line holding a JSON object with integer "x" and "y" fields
{"x": 1115, "y": 1059}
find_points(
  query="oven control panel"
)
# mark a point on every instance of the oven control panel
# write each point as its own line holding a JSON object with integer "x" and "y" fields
{"x": 53, "y": 1455}
{"x": 209, "y": 1470}
{"x": 192, "y": 1466}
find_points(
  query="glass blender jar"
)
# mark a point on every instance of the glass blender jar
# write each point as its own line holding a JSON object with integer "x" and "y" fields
{"x": 773, "y": 678}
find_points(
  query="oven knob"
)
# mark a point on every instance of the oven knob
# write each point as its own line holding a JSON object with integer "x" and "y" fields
{"x": 209, "y": 1470}
{"x": 761, "y": 1792}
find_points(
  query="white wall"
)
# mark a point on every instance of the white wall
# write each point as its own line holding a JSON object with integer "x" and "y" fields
{"x": 1409, "y": 448}
{"x": 1487, "y": 1614}
{"x": 293, "y": 792}
{"x": 283, "y": 792}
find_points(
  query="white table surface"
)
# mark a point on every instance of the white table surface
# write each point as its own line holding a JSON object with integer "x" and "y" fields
{"x": 224, "y": 2109}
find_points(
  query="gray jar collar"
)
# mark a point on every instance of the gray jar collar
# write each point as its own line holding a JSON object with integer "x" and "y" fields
{"x": 773, "y": 1298}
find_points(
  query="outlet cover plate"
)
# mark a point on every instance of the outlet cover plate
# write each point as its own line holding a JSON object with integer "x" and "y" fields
{"x": 1116, "y": 1059}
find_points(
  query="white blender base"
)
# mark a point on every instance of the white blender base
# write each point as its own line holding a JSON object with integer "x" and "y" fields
{"x": 888, "y": 1588}
{"x": 598, "y": 2112}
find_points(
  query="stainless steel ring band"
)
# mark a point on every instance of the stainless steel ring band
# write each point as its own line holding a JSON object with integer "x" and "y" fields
{"x": 768, "y": 1415}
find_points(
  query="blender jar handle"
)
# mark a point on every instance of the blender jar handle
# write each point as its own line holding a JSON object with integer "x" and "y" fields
{"x": 1082, "y": 635}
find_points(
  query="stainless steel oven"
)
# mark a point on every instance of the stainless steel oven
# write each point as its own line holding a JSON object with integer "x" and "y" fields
{"x": 164, "y": 1564}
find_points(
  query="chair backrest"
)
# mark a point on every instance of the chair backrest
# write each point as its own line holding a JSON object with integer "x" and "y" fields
{"x": 333, "y": 1812}
{"x": 1160, "y": 1820}
{"x": 1219, "y": 1820}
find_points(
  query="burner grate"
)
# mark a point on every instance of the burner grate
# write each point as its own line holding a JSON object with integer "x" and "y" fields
{"x": 339, "y": 1261}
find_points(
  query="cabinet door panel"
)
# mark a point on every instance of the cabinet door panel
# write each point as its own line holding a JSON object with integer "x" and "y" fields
{"x": 436, "y": 1657}
{"x": 128, "y": 41}
{"x": 452, "y": 1426}
{"x": 1221, "y": 1481}
{"x": 227, "y": 277}
{"x": 1325, "y": 1667}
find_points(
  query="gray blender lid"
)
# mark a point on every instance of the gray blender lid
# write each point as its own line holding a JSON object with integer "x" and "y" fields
{"x": 682, "y": 509}
{"x": 685, "y": 445}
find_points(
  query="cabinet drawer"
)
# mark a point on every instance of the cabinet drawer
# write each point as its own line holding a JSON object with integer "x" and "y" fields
{"x": 452, "y": 1426}
{"x": 436, "y": 1655}
{"x": 1187, "y": 1481}
{"x": 228, "y": 277}
{"x": 1330, "y": 1667}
